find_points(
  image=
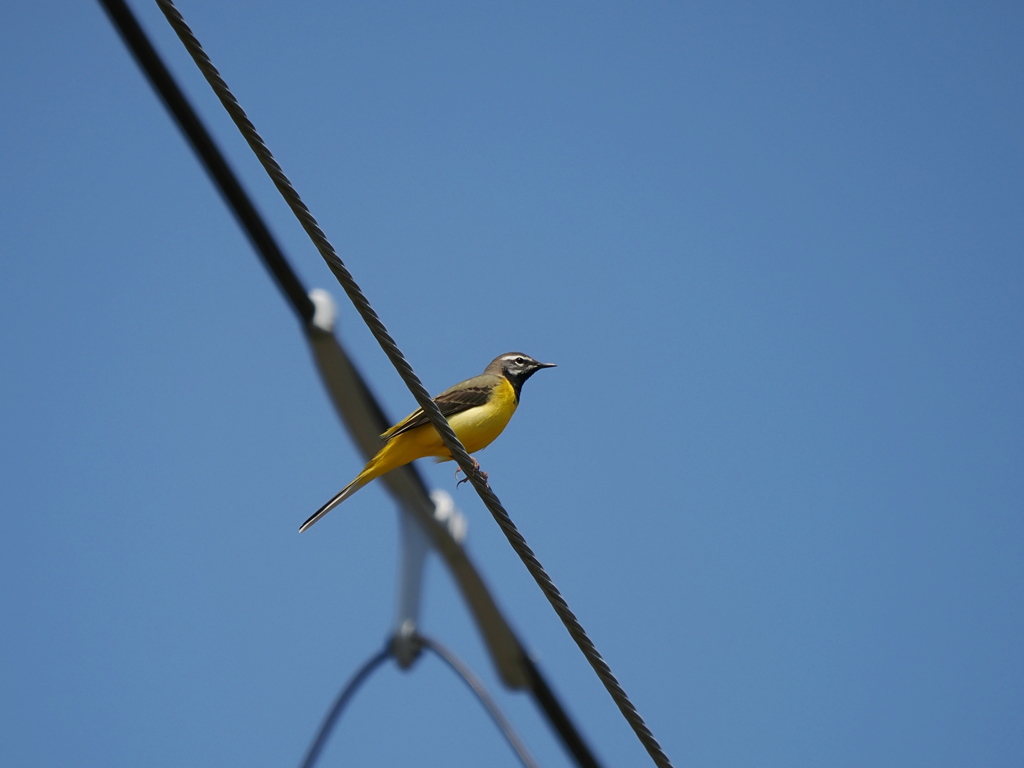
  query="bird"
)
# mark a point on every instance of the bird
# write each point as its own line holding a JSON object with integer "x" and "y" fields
{"x": 478, "y": 409}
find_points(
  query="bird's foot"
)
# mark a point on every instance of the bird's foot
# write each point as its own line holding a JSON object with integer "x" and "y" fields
{"x": 476, "y": 466}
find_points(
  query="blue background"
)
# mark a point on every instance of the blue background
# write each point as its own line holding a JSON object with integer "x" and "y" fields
{"x": 776, "y": 251}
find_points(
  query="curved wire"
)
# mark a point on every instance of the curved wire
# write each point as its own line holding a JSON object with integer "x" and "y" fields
{"x": 419, "y": 392}
{"x": 477, "y": 687}
{"x": 339, "y": 704}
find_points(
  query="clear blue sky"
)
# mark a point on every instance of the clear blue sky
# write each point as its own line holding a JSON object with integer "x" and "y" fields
{"x": 777, "y": 252}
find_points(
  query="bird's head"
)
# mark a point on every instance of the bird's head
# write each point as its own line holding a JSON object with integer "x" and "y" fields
{"x": 516, "y": 367}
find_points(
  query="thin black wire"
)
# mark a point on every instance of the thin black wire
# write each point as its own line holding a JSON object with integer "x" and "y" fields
{"x": 339, "y": 704}
{"x": 213, "y": 160}
{"x": 449, "y": 658}
{"x": 419, "y": 392}
{"x": 477, "y": 687}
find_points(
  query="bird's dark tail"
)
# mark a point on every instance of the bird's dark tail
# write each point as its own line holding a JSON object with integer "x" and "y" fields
{"x": 343, "y": 494}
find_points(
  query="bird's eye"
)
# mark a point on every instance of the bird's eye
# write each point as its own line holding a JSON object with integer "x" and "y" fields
{"x": 519, "y": 361}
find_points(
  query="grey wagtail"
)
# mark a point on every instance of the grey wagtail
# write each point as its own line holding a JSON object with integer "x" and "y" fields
{"x": 477, "y": 410}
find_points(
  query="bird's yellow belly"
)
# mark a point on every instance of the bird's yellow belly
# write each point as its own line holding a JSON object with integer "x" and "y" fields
{"x": 476, "y": 428}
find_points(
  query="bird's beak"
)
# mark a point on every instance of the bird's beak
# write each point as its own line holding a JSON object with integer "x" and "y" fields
{"x": 547, "y": 365}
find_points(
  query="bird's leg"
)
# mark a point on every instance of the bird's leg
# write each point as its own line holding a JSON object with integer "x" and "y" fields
{"x": 476, "y": 466}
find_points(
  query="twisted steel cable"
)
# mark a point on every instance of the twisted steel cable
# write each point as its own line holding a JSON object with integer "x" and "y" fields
{"x": 419, "y": 392}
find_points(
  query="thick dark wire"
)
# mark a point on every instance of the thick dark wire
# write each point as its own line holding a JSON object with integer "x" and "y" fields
{"x": 213, "y": 160}
{"x": 179, "y": 108}
{"x": 419, "y": 392}
{"x": 477, "y": 687}
{"x": 547, "y": 701}
{"x": 339, "y": 704}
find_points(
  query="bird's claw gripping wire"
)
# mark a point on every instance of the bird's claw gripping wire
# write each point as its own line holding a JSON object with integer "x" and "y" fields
{"x": 476, "y": 466}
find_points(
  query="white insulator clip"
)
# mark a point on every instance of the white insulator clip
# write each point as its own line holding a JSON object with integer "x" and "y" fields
{"x": 448, "y": 515}
{"x": 325, "y": 311}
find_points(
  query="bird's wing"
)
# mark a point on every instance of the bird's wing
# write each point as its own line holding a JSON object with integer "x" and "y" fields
{"x": 463, "y": 396}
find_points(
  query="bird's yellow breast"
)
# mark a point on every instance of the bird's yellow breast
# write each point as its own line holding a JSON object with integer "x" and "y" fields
{"x": 477, "y": 427}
